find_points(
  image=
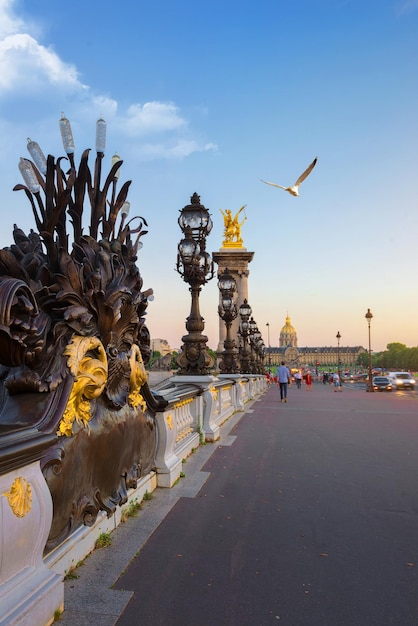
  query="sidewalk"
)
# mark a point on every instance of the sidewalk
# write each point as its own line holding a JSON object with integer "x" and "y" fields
{"x": 304, "y": 513}
{"x": 91, "y": 598}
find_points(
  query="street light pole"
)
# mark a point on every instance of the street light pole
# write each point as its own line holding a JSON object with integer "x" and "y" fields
{"x": 268, "y": 341}
{"x": 244, "y": 330}
{"x": 368, "y": 317}
{"x": 195, "y": 266}
{"x": 338, "y": 355}
{"x": 228, "y": 312}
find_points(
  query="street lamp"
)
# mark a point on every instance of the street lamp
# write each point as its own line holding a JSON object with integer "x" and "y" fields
{"x": 195, "y": 266}
{"x": 261, "y": 351}
{"x": 368, "y": 317}
{"x": 228, "y": 311}
{"x": 244, "y": 331}
{"x": 254, "y": 336}
{"x": 338, "y": 355}
{"x": 257, "y": 341}
{"x": 268, "y": 341}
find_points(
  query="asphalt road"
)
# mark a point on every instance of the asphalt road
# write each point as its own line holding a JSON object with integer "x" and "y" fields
{"x": 308, "y": 518}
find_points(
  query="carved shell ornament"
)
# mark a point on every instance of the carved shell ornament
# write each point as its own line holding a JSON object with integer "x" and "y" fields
{"x": 20, "y": 497}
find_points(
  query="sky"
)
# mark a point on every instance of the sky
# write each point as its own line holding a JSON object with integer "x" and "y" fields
{"x": 211, "y": 96}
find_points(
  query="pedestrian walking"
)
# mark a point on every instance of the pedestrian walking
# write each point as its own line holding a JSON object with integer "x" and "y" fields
{"x": 283, "y": 376}
{"x": 337, "y": 382}
{"x": 308, "y": 380}
{"x": 298, "y": 379}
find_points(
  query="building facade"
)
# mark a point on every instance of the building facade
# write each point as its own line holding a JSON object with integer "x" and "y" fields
{"x": 315, "y": 358}
{"x": 161, "y": 345}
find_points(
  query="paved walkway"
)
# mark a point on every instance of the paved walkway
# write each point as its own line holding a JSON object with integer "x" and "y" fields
{"x": 304, "y": 514}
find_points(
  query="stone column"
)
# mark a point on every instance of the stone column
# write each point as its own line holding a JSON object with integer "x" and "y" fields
{"x": 237, "y": 261}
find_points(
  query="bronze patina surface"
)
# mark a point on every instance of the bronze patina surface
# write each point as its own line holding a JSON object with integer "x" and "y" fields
{"x": 73, "y": 341}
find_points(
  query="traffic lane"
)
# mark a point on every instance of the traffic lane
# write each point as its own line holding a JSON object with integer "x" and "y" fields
{"x": 308, "y": 518}
{"x": 397, "y": 392}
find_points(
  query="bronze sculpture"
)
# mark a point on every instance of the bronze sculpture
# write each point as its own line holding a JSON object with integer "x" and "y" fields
{"x": 232, "y": 228}
{"x": 73, "y": 339}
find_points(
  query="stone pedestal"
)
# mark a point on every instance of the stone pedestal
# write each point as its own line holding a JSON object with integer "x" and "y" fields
{"x": 30, "y": 593}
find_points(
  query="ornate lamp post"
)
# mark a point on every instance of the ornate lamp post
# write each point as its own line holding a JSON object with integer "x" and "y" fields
{"x": 268, "y": 342}
{"x": 228, "y": 312}
{"x": 195, "y": 266}
{"x": 256, "y": 344}
{"x": 244, "y": 330}
{"x": 368, "y": 317}
{"x": 252, "y": 325}
{"x": 338, "y": 355}
{"x": 260, "y": 350}
{"x": 262, "y": 356}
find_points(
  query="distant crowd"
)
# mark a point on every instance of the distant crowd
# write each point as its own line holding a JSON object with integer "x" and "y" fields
{"x": 307, "y": 377}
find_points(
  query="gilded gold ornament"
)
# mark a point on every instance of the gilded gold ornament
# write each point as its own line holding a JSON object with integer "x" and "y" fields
{"x": 90, "y": 375}
{"x": 213, "y": 391}
{"x": 232, "y": 231}
{"x": 181, "y": 403}
{"x": 20, "y": 497}
{"x": 137, "y": 378}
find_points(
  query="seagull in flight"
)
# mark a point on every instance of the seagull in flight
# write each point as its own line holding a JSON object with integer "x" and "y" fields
{"x": 294, "y": 190}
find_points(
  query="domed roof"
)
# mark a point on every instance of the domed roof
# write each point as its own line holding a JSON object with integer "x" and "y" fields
{"x": 288, "y": 335}
{"x": 288, "y": 328}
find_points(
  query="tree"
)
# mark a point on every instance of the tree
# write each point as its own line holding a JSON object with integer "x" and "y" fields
{"x": 363, "y": 359}
{"x": 396, "y": 355}
{"x": 174, "y": 364}
{"x": 214, "y": 355}
{"x": 154, "y": 356}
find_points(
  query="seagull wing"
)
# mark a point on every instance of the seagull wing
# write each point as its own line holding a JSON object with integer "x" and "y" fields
{"x": 306, "y": 172}
{"x": 272, "y": 184}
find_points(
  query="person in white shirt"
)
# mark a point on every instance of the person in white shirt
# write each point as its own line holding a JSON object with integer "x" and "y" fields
{"x": 337, "y": 382}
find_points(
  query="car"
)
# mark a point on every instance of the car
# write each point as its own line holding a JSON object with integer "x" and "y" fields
{"x": 381, "y": 383}
{"x": 402, "y": 380}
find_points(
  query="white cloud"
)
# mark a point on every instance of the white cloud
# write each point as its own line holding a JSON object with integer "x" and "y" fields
{"x": 33, "y": 72}
{"x": 178, "y": 150}
{"x": 153, "y": 117}
{"x": 406, "y": 7}
{"x": 10, "y": 24}
{"x": 24, "y": 63}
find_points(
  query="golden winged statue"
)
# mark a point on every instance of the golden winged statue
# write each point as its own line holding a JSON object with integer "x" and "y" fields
{"x": 232, "y": 231}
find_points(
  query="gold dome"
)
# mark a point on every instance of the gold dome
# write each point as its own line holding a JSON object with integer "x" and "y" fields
{"x": 288, "y": 328}
{"x": 288, "y": 335}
